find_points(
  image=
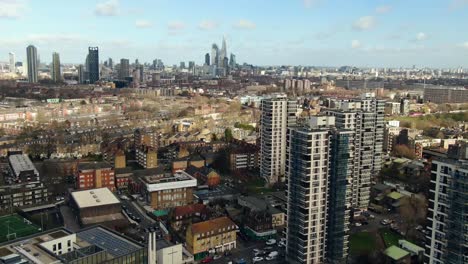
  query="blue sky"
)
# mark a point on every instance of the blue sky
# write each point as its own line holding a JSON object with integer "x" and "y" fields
{"x": 374, "y": 33}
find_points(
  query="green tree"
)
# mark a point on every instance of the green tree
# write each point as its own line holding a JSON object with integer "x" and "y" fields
{"x": 228, "y": 134}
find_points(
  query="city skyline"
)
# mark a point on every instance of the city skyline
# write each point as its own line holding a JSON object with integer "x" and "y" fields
{"x": 368, "y": 33}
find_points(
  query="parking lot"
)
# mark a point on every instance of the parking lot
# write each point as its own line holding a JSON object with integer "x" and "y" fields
{"x": 245, "y": 250}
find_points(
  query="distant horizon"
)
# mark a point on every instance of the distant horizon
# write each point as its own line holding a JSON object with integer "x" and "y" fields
{"x": 381, "y": 33}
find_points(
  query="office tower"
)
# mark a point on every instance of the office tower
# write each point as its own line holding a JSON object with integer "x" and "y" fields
{"x": 124, "y": 70}
{"x": 365, "y": 117}
{"x": 277, "y": 114}
{"x": 448, "y": 215}
{"x": 232, "y": 61}
{"x": 223, "y": 54}
{"x": 191, "y": 65}
{"x": 207, "y": 59}
{"x": 137, "y": 62}
{"x": 93, "y": 64}
{"x": 111, "y": 63}
{"x": 12, "y": 66}
{"x": 182, "y": 65}
{"x": 56, "y": 73}
{"x": 141, "y": 68}
{"x": 81, "y": 74}
{"x": 214, "y": 54}
{"x": 318, "y": 193}
{"x": 31, "y": 55}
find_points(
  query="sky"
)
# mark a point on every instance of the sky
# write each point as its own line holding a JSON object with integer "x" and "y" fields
{"x": 365, "y": 33}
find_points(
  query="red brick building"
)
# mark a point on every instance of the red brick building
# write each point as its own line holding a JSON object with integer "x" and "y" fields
{"x": 95, "y": 175}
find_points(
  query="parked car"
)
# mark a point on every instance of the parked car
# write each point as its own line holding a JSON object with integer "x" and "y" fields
{"x": 385, "y": 222}
{"x": 357, "y": 224}
{"x": 207, "y": 260}
{"x": 257, "y": 259}
{"x": 271, "y": 242}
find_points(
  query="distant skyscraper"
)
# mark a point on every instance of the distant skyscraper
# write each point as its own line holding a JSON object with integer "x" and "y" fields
{"x": 141, "y": 69}
{"x": 12, "y": 58}
{"x": 207, "y": 59}
{"x": 318, "y": 160}
{"x": 214, "y": 54}
{"x": 81, "y": 74}
{"x": 182, "y": 65}
{"x": 223, "y": 54}
{"x": 232, "y": 61}
{"x": 124, "y": 71}
{"x": 31, "y": 54}
{"x": 93, "y": 64}
{"x": 191, "y": 65}
{"x": 277, "y": 114}
{"x": 110, "y": 63}
{"x": 56, "y": 72}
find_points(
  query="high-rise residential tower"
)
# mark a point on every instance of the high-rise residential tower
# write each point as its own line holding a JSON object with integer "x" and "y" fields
{"x": 365, "y": 116}
{"x": 12, "y": 62}
{"x": 277, "y": 114}
{"x": 124, "y": 70}
{"x": 318, "y": 194}
{"x": 31, "y": 57}
{"x": 93, "y": 64}
{"x": 446, "y": 239}
{"x": 56, "y": 72}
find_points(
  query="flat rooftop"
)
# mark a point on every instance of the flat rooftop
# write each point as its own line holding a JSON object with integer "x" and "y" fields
{"x": 94, "y": 197}
{"x": 21, "y": 162}
{"x": 114, "y": 244}
{"x": 176, "y": 177}
{"x": 94, "y": 166}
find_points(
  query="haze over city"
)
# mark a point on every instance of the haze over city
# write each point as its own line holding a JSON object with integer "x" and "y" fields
{"x": 380, "y": 33}
{"x": 234, "y": 132}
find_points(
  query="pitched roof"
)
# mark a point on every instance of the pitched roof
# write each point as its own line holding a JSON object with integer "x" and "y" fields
{"x": 216, "y": 225}
{"x": 189, "y": 209}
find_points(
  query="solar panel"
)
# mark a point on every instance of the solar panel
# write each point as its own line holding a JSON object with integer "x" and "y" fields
{"x": 113, "y": 244}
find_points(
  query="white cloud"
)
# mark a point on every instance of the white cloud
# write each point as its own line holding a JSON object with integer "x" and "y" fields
{"x": 207, "y": 25}
{"x": 245, "y": 24}
{"x": 176, "y": 25}
{"x": 355, "y": 44}
{"x": 107, "y": 8}
{"x": 143, "y": 24}
{"x": 421, "y": 36}
{"x": 365, "y": 23}
{"x": 12, "y": 8}
{"x": 383, "y": 9}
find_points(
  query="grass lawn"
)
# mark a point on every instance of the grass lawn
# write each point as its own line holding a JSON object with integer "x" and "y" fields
{"x": 361, "y": 243}
{"x": 258, "y": 186}
{"x": 16, "y": 227}
{"x": 390, "y": 238}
